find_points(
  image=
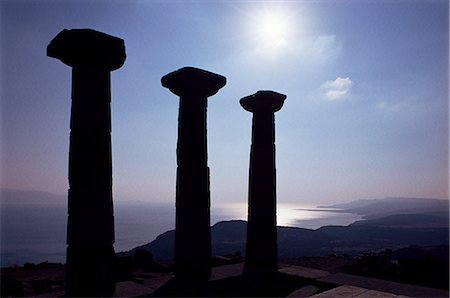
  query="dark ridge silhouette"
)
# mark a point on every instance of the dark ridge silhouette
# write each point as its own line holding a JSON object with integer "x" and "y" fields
{"x": 192, "y": 225}
{"x": 90, "y": 229}
{"x": 261, "y": 250}
{"x": 230, "y": 236}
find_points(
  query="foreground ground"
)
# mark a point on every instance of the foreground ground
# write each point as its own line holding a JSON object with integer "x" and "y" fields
{"x": 302, "y": 277}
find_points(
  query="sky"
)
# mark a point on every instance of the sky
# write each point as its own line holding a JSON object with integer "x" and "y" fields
{"x": 366, "y": 114}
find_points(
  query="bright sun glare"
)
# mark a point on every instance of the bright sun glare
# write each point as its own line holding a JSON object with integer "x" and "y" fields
{"x": 273, "y": 29}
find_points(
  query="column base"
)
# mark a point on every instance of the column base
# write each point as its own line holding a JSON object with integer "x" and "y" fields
{"x": 90, "y": 271}
{"x": 193, "y": 270}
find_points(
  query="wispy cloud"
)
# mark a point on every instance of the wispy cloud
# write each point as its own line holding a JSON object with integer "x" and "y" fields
{"x": 325, "y": 47}
{"x": 392, "y": 107}
{"x": 337, "y": 89}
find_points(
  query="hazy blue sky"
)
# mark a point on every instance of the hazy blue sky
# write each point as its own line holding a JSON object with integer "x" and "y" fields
{"x": 366, "y": 113}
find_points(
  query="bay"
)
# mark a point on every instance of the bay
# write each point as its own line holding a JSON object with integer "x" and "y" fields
{"x": 37, "y": 232}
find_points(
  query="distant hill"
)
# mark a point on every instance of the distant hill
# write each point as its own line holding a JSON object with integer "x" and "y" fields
{"x": 12, "y": 196}
{"x": 406, "y": 220}
{"x": 375, "y": 208}
{"x": 389, "y": 223}
{"x": 229, "y": 237}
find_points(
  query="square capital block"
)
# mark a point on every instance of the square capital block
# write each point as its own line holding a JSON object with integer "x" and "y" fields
{"x": 88, "y": 48}
{"x": 191, "y": 81}
{"x": 268, "y": 101}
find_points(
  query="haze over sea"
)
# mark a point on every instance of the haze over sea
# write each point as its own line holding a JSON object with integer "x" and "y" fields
{"x": 37, "y": 232}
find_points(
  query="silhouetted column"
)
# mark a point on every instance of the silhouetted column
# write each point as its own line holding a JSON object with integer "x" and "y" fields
{"x": 90, "y": 228}
{"x": 261, "y": 250}
{"x": 192, "y": 227}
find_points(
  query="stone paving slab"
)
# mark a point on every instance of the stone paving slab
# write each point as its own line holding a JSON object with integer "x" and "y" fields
{"x": 356, "y": 292}
{"x": 226, "y": 271}
{"x": 350, "y": 285}
{"x": 131, "y": 289}
{"x": 376, "y": 294}
{"x": 304, "y": 292}
{"x": 52, "y": 294}
{"x": 342, "y": 291}
{"x": 156, "y": 282}
{"x": 304, "y": 272}
{"x": 383, "y": 286}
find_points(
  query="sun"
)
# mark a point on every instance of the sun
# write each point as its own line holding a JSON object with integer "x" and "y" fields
{"x": 273, "y": 29}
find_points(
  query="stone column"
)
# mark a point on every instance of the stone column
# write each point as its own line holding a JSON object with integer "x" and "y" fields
{"x": 90, "y": 228}
{"x": 192, "y": 227}
{"x": 261, "y": 250}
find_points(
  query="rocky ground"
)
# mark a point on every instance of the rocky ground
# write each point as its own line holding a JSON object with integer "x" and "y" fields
{"x": 33, "y": 280}
{"x": 297, "y": 277}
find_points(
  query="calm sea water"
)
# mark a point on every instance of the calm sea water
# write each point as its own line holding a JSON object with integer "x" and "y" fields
{"x": 36, "y": 233}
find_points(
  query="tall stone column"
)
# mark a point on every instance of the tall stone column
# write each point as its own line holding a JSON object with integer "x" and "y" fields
{"x": 192, "y": 227}
{"x": 90, "y": 228}
{"x": 261, "y": 250}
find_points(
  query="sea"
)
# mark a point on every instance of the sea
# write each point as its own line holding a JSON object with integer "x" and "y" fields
{"x": 33, "y": 233}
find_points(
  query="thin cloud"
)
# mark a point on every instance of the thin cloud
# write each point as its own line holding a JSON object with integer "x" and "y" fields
{"x": 337, "y": 89}
{"x": 325, "y": 47}
{"x": 392, "y": 107}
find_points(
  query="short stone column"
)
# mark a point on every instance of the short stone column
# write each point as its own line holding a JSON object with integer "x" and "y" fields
{"x": 261, "y": 249}
{"x": 90, "y": 228}
{"x": 192, "y": 226}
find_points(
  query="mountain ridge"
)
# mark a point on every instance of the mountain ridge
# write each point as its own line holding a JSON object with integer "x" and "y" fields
{"x": 230, "y": 237}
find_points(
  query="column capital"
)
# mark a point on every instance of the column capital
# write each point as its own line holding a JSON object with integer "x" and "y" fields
{"x": 191, "y": 81}
{"x": 87, "y": 47}
{"x": 263, "y": 101}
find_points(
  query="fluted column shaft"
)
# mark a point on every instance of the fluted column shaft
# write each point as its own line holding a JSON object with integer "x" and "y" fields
{"x": 261, "y": 249}
{"x": 90, "y": 227}
{"x": 192, "y": 232}
{"x": 90, "y": 223}
{"x": 91, "y": 218}
{"x": 192, "y": 223}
